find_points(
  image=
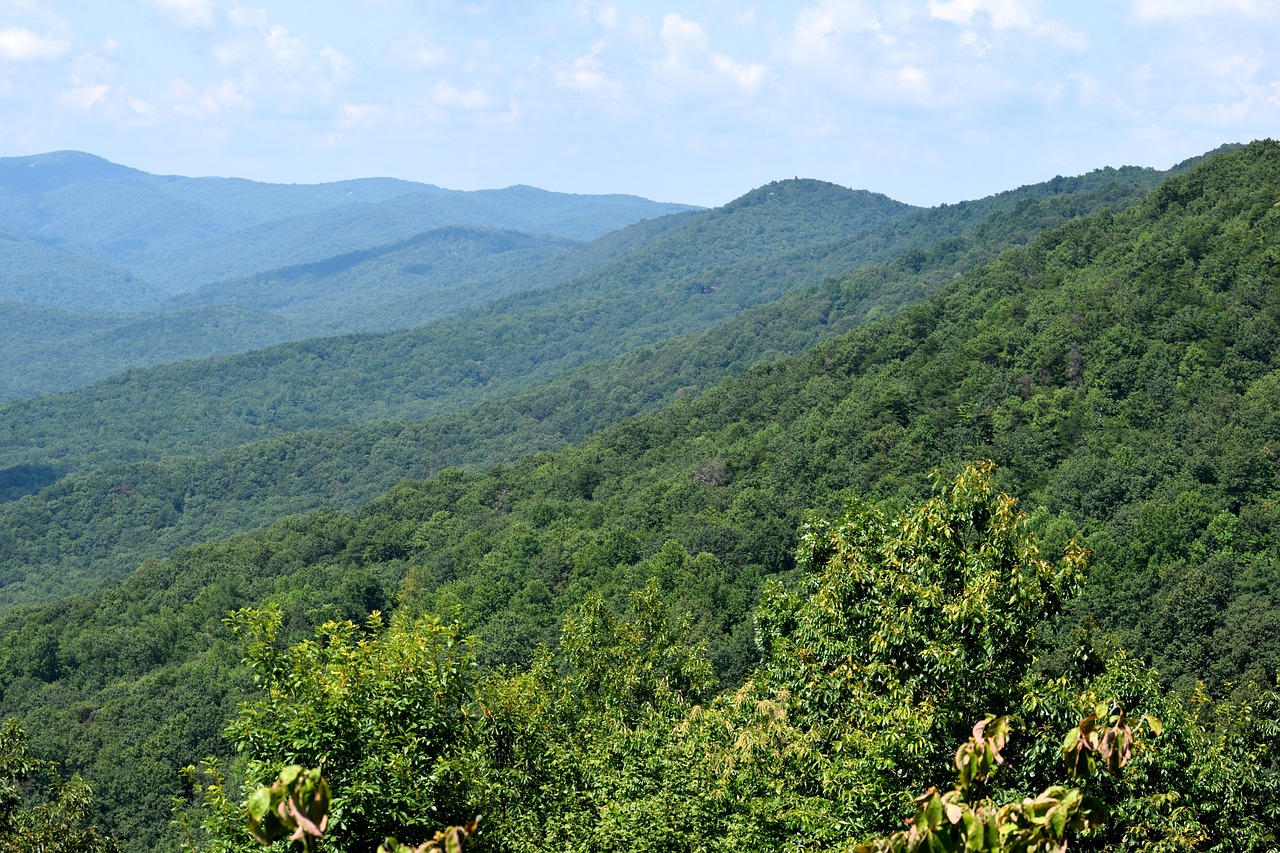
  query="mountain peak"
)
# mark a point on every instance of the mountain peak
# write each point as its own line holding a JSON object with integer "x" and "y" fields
{"x": 791, "y": 190}
{"x": 40, "y": 173}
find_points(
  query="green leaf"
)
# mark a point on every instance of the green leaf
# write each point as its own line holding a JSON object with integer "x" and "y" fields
{"x": 974, "y": 835}
{"x": 260, "y": 803}
{"x": 1071, "y": 741}
{"x": 933, "y": 812}
{"x": 1058, "y": 821}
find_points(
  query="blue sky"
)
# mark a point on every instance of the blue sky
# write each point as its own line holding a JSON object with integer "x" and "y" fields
{"x": 927, "y": 101}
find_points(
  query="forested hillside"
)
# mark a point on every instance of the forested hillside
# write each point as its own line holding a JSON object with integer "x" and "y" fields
{"x": 402, "y": 284}
{"x": 34, "y": 274}
{"x": 391, "y": 286}
{"x": 66, "y": 538}
{"x": 99, "y": 320}
{"x": 406, "y": 283}
{"x": 46, "y": 350}
{"x": 676, "y": 282}
{"x": 1120, "y": 370}
{"x": 442, "y": 271}
{"x": 700, "y": 273}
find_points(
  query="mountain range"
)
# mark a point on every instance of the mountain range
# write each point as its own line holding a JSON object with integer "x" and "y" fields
{"x": 673, "y": 404}
{"x": 116, "y": 257}
{"x": 553, "y": 364}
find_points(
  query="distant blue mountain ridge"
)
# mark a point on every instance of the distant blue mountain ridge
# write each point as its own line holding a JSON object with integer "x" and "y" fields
{"x": 177, "y": 233}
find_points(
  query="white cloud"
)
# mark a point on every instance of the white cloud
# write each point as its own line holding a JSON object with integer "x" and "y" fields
{"x": 912, "y": 79}
{"x": 746, "y": 76}
{"x": 231, "y": 52}
{"x": 1227, "y": 115}
{"x": 180, "y": 90}
{"x": 219, "y": 99}
{"x": 1238, "y": 62}
{"x": 1237, "y": 108}
{"x": 361, "y": 115}
{"x": 603, "y": 13}
{"x": 265, "y": 44}
{"x": 1157, "y": 11}
{"x": 586, "y": 74}
{"x": 690, "y": 64}
{"x": 821, "y": 35}
{"x": 89, "y": 67}
{"x": 287, "y": 52}
{"x": 1048, "y": 93}
{"x": 1003, "y": 14}
{"x": 84, "y": 97}
{"x": 447, "y": 95}
{"x": 19, "y": 44}
{"x": 339, "y": 66}
{"x": 1210, "y": 67}
{"x": 508, "y": 117}
{"x": 1003, "y": 17}
{"x": 224, "y": 97}
{"x": 273, "y": 67}
{"x": 856, "y": 54}
{"x": 248, "y": 17}
{"x": 682, "y": 36}
{"x": 186, "y": 13}
{"x": 418, "y": 52}
{"x": 962, "y": 58}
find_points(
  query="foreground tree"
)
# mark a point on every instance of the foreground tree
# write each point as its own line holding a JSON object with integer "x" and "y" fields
{"x": 39, "y": 812}
{"x": 373, "y": 707}
{"x": 910, "y": 625}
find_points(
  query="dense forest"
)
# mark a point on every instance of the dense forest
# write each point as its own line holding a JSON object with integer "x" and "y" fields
{"x": 708, "y": 264}
{"x": 66, "y": 534}
{"x": 1027, "y": 470}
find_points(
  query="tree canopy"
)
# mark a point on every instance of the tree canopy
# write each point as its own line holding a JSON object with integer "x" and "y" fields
{"x": 908, "y": 624}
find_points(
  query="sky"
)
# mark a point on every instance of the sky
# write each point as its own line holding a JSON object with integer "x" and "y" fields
{"x": 927, "y": 101}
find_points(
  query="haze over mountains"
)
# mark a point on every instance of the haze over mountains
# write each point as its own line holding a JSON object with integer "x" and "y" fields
{"x": 119, "y": 256}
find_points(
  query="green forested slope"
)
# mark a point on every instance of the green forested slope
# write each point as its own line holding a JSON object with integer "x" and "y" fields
{"x": 46, "y": 350}
{"x": 400, "y": 284}
{"x": 41, "y": 275}
{"x": 68, "y": 537}
{"x": 712, "y": 266}
{"x": 397, "y": 285}
{"x": 910, "y": 623}
{"x": 81, "y": 234}
{"x": 662, "y": 289}
{"x": 1121, "y": 369}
